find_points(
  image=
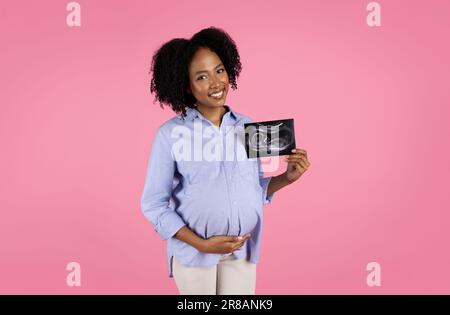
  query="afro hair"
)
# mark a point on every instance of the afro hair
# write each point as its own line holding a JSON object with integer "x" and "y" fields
{"x": 170, "y": 66}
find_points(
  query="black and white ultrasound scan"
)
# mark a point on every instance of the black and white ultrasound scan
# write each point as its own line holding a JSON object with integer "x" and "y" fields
{"x": 269, "y": 138}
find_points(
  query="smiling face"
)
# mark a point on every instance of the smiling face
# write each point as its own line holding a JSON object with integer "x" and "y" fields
{"x": 207, "y": 75}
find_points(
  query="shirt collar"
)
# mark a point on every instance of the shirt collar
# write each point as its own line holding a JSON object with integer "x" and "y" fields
{"x": 192, "y": 113}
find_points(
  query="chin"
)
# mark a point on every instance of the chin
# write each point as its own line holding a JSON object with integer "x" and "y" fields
{"x": 216, "y": 104}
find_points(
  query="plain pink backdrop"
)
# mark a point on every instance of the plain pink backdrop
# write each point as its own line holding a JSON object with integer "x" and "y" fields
{"x": 371, "y": 107}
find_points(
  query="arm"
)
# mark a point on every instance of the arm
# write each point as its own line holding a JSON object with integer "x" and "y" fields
{"x": 276, "y": 183}
{"x": 298, "y": 163}
{"x": 220, "y": 244}
{"x": 158, "y": 189}
{"x": 186, "y": 235}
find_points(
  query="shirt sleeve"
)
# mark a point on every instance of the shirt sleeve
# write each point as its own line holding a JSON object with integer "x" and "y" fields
{"x": 155, "y": 200}
{"x": 264, "y": 182}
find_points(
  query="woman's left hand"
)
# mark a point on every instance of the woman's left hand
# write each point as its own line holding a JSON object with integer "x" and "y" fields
{"x": 297, "y": 164}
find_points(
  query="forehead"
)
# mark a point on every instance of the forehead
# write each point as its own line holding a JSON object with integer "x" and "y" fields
{"x": 204, "y": 59}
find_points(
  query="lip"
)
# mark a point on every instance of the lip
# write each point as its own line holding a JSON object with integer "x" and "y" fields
{"x": 218, "y": 99}
{"x": 217, "y": 92}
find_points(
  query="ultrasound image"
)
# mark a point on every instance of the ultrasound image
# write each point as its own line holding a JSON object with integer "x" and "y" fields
{"x": 269, "y": 138}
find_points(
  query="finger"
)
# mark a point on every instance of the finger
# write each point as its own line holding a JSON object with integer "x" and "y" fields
{"x": 246, "y": 237}
{"x": 299, "y": 168}
{"x": 305, "y": 160}
{"x": 233, "y": 248}
{"x": 235, "y": 239}
{"x": 298, "y": 154}
{"x": 238, "y": 243}
{"x": 294, "y": 159}
{"x": 302, "y": 163}
{"x": 295, "y": 156}
{"x": 238, "y": 246}
{"x": 297, "y": 150}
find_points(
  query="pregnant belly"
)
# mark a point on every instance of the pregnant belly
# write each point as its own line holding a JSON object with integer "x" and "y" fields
{"x": 248, "y": 220}
{"x": 211, "y": 220}
{"x": 205, "y": 217}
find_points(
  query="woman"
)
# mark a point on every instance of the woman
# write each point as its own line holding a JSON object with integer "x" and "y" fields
{"x": 207, "y": 207}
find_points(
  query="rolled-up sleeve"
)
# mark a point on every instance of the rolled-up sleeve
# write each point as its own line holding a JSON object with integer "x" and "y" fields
{"x": 155, "y": 200}
{"x": 264, "y": 182}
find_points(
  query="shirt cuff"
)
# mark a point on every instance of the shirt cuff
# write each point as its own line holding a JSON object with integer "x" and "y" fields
{"x": 264, "y": 182}
{"x": 169, "y": 225}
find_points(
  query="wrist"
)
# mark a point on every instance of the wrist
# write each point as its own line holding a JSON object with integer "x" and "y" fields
{"x": 285, "y": 179}
{"x": 201, "y": 245}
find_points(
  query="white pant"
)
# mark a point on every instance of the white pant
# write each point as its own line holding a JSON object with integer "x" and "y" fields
{"x": 230, "y": 276}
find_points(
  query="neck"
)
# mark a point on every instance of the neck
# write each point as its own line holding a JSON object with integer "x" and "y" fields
{"x": 213, "y": 114}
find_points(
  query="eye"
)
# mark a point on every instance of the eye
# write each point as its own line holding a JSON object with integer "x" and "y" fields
{"x": 217, "y": 70}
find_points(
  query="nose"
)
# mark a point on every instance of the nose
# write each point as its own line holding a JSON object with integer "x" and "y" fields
{"x": 215, "y": 82}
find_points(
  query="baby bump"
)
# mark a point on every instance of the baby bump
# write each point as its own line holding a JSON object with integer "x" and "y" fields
{"x": 209, "y": 213}
{"x": 249, "y": 205}
{"x": 248, "y": 219}
{"x": 205, "y": 215}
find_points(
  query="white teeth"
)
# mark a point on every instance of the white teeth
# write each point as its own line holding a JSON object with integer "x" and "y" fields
{"x": 217, "y": 95}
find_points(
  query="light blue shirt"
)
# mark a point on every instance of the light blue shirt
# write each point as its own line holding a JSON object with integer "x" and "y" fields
{"x": 211, "y": 197}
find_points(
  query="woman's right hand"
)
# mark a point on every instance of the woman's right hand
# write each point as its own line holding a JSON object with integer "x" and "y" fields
{"x": 223, "y": 244}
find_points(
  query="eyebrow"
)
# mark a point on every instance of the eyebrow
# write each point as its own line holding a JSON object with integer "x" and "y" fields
{"x": 207, "y": 71}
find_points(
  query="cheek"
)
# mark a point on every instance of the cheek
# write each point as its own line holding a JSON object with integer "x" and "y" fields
{"x": 199, "y": 89}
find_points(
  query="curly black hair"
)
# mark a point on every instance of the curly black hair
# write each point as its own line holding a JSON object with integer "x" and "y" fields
{"x": 170, "y": 66}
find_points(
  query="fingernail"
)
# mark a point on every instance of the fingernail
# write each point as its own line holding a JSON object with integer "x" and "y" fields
{"x": 240, "y": 238}
{"x": 293, "y": 150}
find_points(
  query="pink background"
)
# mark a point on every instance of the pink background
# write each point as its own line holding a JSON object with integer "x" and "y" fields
{"x": 371, "y": 107}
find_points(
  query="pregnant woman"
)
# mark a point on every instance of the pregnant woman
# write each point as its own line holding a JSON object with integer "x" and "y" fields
{"x": 200, "y": 194}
